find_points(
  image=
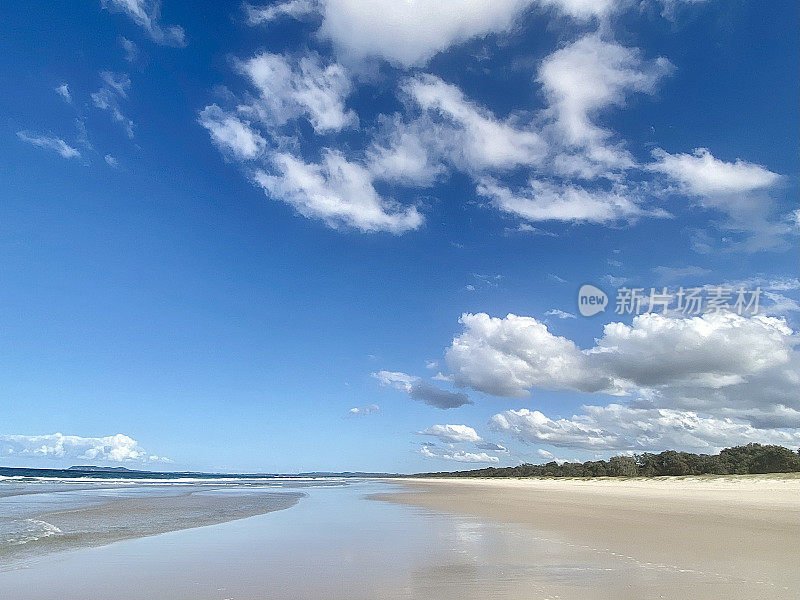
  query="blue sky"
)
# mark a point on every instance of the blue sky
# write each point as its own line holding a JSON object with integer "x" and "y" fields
{"x": 225, "y": 226}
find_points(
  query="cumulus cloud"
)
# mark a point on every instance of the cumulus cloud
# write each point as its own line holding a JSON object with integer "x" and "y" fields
{"x": 49, "y": 142}
{"x": 620, "y": 428}
{"x": 338, "y": 192}
{"x": 458, "y": 455}
{"x": 719, "y": 364}
{"x": 369, "y": 409}
{"x": 147, "y": 15}
{"x": 452, "y": 433}
{"x": 231, "y": 134}
{"x": 293, "y": 86}
{"x": 115, "y": 448}
{"x": 419, "y": 390}
{"x": 507, "y": 357}
{"x": 109, "y": 96}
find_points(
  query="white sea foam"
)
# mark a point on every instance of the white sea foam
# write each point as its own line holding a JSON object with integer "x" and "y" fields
{"x": 19, "y": 532}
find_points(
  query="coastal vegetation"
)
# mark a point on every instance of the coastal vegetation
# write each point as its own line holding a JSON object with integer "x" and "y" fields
{"x": 739, "y": 460}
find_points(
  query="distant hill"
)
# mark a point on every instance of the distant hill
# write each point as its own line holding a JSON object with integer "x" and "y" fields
{"x": 96, "y": 469}
{"x": 99, "y": 472}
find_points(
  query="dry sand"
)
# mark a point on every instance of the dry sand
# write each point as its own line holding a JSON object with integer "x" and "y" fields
{"x": 693, "y": 537}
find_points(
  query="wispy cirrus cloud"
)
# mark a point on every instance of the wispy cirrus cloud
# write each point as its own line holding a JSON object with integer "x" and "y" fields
{"x": 147, "y": 15}
{"x": 110, "y": 96}
{"x": 49, "y": 142}
{"x": 292, "y": 9}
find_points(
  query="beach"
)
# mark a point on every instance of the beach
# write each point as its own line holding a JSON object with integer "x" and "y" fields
{"x": 698, "y": 537}
{"x": 403, "y": 539}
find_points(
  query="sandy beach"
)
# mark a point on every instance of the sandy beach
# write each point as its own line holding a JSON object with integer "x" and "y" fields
{"x": 738, "y": 536}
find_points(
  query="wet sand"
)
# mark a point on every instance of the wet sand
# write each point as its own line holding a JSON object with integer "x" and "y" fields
{"x": 40, "y": 520}
{"x": 727, "y": 537}
{"x": 442, "y": 539}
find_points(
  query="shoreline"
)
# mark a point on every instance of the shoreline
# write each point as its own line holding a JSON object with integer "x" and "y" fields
{"x": 744, "y": 530}
{"x": 114, "y": 519}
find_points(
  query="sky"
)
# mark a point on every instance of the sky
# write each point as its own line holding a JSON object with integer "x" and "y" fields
{"x": 328, "y": 235}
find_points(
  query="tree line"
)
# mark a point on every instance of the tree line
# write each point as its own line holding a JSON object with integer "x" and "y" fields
{"x": 739, "y": 460}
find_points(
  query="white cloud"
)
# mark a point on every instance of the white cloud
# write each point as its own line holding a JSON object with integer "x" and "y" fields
{"x": 369, "y": 409}
{"x": 590, "y": 75}
{"x": 406, "y": 154}
{"x": 584, "y": 78}
{"x": 614, "y": 280}
{"x": 477, "y": 140}
{"x": 396, "y": 379}
{"x": 557, "y": 312}
{"x": 452, "y": 433}
{"x": 618, "y": 428}
{"x": 459, "y": 455}
{"x": 739, "y": 189}
{"x": 422, "y": 391}
{"x": 290, "y": 87}
{"x": 231, "y": 134}
{"x": 115, "y": 448}
{"x": 115, "y": 88}
{"x": 543, "y": 201}
{"x": 409, "y": 33}
{"x": 507, "y": 357}
{"x": 703, "y": 175}
{"x": 293, "y": 9}
{"x": 111, "y": 161}
{"x": 338, "y": 192}
{"x": 63, "y": 91}
{"x": 658, "y": 350}
{"x": 586, "y": 9}
{"x": 670, "y": 8}
{"x": 533, "y": 426}
{"x": 147, "y": 15}
{"x": 723, "y": 365}
{"x": 49, "y": 142}
{"x": 130, "y": 49}
{"x": 443, "y": 129}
